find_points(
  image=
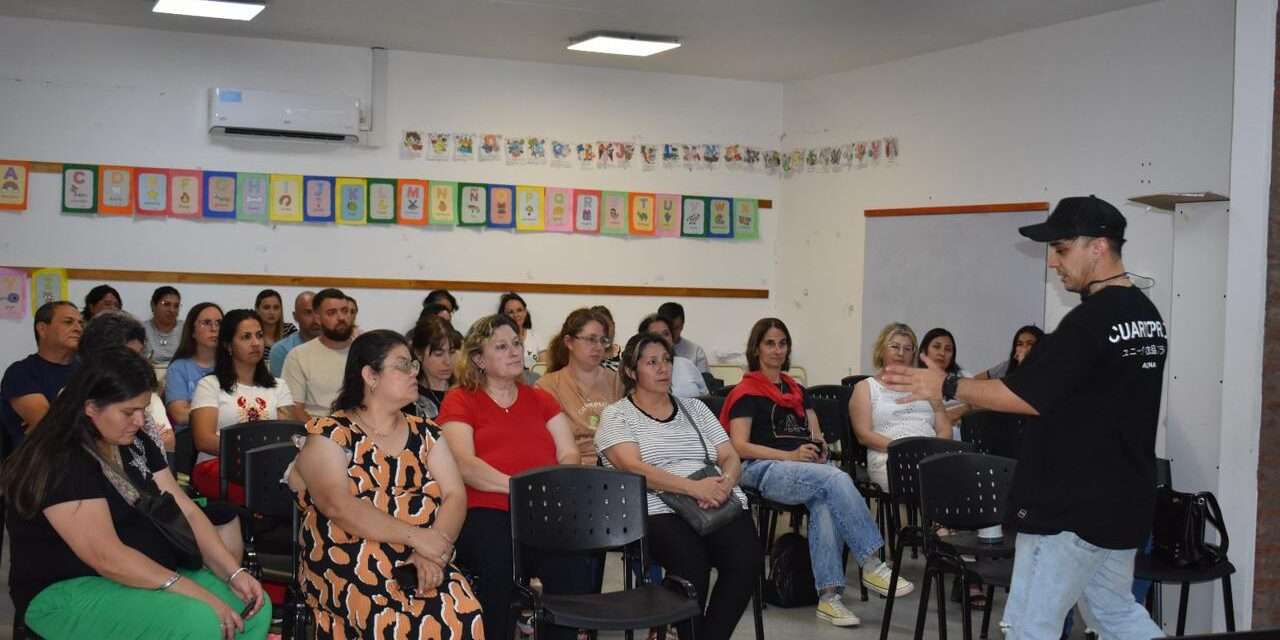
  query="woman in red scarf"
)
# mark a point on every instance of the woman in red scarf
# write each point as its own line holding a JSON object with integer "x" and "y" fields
{"x": 775, "y": 431}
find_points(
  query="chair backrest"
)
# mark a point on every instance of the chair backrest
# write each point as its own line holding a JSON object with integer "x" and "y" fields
{"x": 575, "y": 508}
{"x": 994, "y": 433}
{"x": 850, "y": 381}
{"x": 723, "y": 392}
{"x": 1164, "y": 473}
{"x": 184, "y": 450}
{"x": 264, "y": 491}
{"x": 969, "y": 491}
{"x": 714, "y": 403}
{"x": 905, "y": 455}
{"x": 730, "y": 373}
{"x": 831, "y": 403}
{"x": 799, "y": 374}
{"x": 235, "y": 440}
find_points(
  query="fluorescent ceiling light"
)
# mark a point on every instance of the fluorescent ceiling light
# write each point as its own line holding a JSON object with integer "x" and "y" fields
{"x": 623, "y": 45}
{"x": 225, "y": 9}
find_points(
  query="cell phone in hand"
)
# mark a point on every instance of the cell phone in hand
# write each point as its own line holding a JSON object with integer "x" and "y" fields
{"x": 406, "y": 575}
{"x": 244, "y": 614}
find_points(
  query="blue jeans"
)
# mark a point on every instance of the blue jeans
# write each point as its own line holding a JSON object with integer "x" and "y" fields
{"x": 837, "y": 512}
{"x": 1051, "y": 573}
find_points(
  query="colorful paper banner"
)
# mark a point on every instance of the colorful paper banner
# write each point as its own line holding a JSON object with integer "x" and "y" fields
{"x": 15, "y": 177}
{"x": 530, "y": 215}
{"x": 411, "y": 209}
{"x": 47, "y": 285}
{"x": 643, "y": 206}
{"x": 184, "y": 193}
{"x": 151, "y": 194}
{"x": 252, "y": 190}
{"x": 501, "y": 206}
{"x": 220, "y": 195}
{"x": 746, "y": 219}
{"x": 382, "y": 201}
{"x": 444, "y": 203}
{"x": 720, "y": 218}
{"x": 694, "y": 221}
{"x": 115, "y": 191}
{"x": 559, "y": 209}
{"x": 79, "y": 188}
{"x": 286, "y": 198}
{"x": 317, "y": 206}
{"x": 586, "y": 211}
{"x": 614, "y": 220}
{"x": 353, "y": 200}
{"x": 668, "y": 208}
{"x": 473, "y": 204}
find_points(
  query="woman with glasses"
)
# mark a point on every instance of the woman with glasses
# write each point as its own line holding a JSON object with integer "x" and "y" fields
{"x": 192, "y": 361}
{"x": 574, "y": 376}
{"x": 878, "y": 418}
{"x": 497, "y": 427}
{"x": 379, "y": 489}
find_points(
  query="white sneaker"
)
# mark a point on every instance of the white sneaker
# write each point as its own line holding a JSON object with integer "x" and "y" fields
{"x": 877, "y": 580}
{"x": 833, "y": 610}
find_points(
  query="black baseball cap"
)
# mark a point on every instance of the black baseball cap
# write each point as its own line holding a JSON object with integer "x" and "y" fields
{"x": 1078, "y": 216}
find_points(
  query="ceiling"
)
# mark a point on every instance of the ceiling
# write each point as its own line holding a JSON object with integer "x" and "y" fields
{"x": 762, "y": 40}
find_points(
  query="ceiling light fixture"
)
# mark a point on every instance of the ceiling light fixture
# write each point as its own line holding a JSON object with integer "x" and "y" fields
{"x": 622, "y": 44}
{"x": 224, "y": 9}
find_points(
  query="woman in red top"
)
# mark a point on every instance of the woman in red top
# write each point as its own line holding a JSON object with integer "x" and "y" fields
{"x": 497, "y": 427}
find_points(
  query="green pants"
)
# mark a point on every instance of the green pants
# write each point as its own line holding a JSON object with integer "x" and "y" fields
{"x": 96, "y": 607}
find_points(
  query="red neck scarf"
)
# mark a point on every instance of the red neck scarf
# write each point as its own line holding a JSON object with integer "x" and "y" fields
{"x": 755, "y": 383}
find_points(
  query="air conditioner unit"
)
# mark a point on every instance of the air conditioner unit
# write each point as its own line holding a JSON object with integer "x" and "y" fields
{"x": 277, "y": 114}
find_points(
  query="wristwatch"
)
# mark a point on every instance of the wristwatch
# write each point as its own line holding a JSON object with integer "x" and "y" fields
{"x": 949, "y": 385}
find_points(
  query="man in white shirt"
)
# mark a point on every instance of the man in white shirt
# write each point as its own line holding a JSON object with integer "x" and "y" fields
{"x": 314, "y": 369}
{"x": 685, "y": 348}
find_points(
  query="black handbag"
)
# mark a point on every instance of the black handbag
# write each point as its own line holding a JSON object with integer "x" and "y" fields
{"x": 790, "y": 582}
{"x": 1178, "y": 530}
{"x": 703, "y": 521}
{"x": 160, "y": 508}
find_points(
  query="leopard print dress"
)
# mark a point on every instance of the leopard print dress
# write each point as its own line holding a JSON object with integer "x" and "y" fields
{"x": 347, "y": 581}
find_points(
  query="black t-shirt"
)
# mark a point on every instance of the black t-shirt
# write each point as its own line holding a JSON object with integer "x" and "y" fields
{"x": 29, "y": 376}
{"x": 40, "y": 557}
{"x": 772, "y": 425}
{"x": 1087, "y": 465}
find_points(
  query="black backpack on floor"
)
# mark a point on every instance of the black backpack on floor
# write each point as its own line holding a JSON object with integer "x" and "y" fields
{"x": 790, "y": 581}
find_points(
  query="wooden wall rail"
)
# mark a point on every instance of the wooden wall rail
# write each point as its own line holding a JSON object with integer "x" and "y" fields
{"x": 995, "y": 207}
{"x": 265, "y": 279}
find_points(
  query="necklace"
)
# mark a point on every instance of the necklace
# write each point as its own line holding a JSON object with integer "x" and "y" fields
{"x": 368, "y": 424}
{"x": 504, "y": 404}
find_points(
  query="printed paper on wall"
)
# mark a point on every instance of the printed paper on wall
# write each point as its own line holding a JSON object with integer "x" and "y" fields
{"x": 411, "y": 206}
{"x": 286, "y": 198}
{"x": 115, "y": 191}
{"x": 530, "y": 215}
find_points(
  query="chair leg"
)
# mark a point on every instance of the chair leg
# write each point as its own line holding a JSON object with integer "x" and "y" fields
{"x": 966, "y": 613}
{"x": 986, "y": 611}
{"x": 1182, "y": 608}
{"x": 757, "y": 606}
{"x": 1228, "y": 604}
{"x": 942, "y": 604}
{"x": 888, "y": 601}
{"x": 926, "y": 584}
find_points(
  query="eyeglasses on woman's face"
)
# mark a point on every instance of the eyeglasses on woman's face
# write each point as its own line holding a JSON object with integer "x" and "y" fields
{"x": 599, "y": 341}
{"x": 408, "y": 366}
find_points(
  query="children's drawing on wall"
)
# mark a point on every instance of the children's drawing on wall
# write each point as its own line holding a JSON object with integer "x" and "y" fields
{"x": 710, "y": 155}
{"x": 586, "y": 155}
{"x": 561, "y": 152}
{"x": 490, "y": 147}
{"x": 772, "y": 162}
{"x": 670, "y": 155}
{"x": 874, "y": 151}
{"x": 464, "y": 146}
{"x": 515, "y": 150}
{"x": 733, "y": 156}
{"x": 623, "y": 153}
{"x": 891, "y": 149}
{"x": 860, "y": 154}
{"x": 537, "y": 149}
{"x": 438, "y": 146}
{"x": 604, "y": 155}
{"x": 410, "y": 144}
{"x": 648, "y": 157}
{"x": 692, "y": 156}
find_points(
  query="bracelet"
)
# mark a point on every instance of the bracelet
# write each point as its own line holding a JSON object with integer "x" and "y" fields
{"x": 234, "y": 574}
{"x": 172, "y": 581}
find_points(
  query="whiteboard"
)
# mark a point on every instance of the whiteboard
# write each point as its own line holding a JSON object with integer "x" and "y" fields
{"x": 971, "y": 274}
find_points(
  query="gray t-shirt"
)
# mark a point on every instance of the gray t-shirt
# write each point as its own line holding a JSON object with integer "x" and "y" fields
{"x": 161, "y": 344}
{"x": 687, "y": 348}
{"x": 670, "y": 444}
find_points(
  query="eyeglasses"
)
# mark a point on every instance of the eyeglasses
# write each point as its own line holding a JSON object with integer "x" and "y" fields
{"x": 603, "y": 341}
{"x": 208, "y": 324}
{"x": 169, "y": 305}
{"x": 410, "y": 367}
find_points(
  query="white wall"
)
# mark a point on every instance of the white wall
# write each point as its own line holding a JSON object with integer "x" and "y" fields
{"x": 98, "y": 94}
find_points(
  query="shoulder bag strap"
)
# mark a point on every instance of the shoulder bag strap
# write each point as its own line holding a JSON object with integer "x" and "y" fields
{"x": 706, "y": 453}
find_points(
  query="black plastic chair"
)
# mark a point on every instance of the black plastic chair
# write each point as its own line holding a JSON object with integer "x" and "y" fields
{"x": 235, "y": 440}
{"x": 267, "y": 494}
{"x": 723, "y": 391}
{"x": 905, "y": 455}
{"x": 850, "y": 381}
{"x": 575, "y": 508}
{"x": 184, "y": 451}
{"x": 714, "y": 403}
{"x": 999, "y": 434}
{"x": 964, "y": 493}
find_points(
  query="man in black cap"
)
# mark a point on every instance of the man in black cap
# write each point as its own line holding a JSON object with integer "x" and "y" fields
{"x": 1083, "y": 496}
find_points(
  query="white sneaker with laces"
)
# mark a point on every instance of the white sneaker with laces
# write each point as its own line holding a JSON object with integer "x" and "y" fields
{"x": 877, "y": 580}
{"x": 833, "y": 610}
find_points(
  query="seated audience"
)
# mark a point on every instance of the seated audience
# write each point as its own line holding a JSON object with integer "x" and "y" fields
{"x": 685, "y": 348}
{"x": 379, "y": 489}
{"x": 774, "y": 429}
{"x": 192, "y": 361}
{"x": 435, "y": 343}
{"x": 497, "y": 427}
{"x": 86, "y": 562}
{"x": 163, "y": 332}
{"x": 113, "y": 329}
{"x": 1023, "y": 340}
{"x": 443, "y": 298}
{"x": 239, "y": 390}
{"x": 878, "y": 417}
{"x": 270, "y": 308}
{"x": 30, "y": 385}
{"x": 939, "y": 346}
{"x": 513, "y": 306}
{"x": 574, "y": 376}
{"x": 686, "y": 380}
{"x": 308, "y": 324}
{"x": 101, "y": 298}
{"x": 313, "y": 370}
{"x": 653, "y": 433}
{"x": 613, "y": 355}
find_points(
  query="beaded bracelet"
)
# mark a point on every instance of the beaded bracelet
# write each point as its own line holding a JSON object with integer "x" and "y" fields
{"x": 172, "y": 581}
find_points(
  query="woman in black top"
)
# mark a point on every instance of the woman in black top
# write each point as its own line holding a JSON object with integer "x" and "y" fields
{"x": 77, "y": 542}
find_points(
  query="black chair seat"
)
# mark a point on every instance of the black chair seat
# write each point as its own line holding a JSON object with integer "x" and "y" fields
{"x": 968, "y": 542}
{"x": 644, "y": 606}
{"x": 1149, "y": 567}
{"x": 998, "y": 572}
